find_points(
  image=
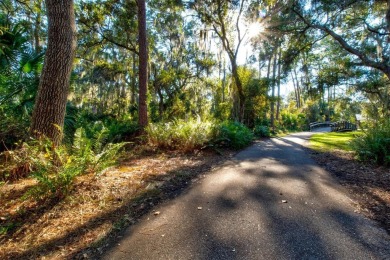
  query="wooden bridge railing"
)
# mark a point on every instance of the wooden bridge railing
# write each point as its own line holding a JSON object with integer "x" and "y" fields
{"x": 319, "y": 124}
{"x": 343, "y": 126}
{"x": 334, "y": 126}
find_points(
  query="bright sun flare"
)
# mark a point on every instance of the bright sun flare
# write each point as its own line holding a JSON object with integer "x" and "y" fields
{"x": 255, "y": 29}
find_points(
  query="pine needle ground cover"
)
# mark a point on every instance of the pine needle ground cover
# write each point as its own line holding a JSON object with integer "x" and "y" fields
{"x": 97, "y": 208}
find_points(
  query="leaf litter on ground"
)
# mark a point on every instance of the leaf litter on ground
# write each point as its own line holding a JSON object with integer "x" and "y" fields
{"x": 96, "y": 208}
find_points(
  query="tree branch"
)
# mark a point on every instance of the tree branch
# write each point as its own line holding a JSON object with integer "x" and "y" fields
{"x": 239, "y": 38}
{"x": 366, "y": 61}
{"x": 132, "y": 49}
{"x": 371, "y": 29}
{"x": 109, "y": 39}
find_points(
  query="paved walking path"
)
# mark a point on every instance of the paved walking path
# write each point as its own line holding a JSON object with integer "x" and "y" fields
{"x": 270, "y": 202}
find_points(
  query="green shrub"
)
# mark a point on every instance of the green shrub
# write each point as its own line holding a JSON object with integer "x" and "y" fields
{"x": 190, "y": 135}
{"x": 55, "y": 168}
{"x": 93, "y": 154}
{"x": 121, "y": 130}
{"x": 261, "y": 131}
{"x": 234, "y": 134}
{"x": 160, "y": 135}
{"x": 374, "y": 144}
{"x": 179, "y": 134}
{"x": 293, "y": 121}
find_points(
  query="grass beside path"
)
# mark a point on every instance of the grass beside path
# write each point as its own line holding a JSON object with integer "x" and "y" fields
{"x": 326, "y": 142}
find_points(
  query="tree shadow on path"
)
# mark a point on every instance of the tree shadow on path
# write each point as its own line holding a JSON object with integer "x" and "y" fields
{"x": 271, "y": 202}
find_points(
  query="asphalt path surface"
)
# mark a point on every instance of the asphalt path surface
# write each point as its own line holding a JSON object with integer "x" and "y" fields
{"x": 270, "y": 202}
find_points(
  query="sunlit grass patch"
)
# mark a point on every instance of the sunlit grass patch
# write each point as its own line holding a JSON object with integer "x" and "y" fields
{"x": 326, "y": 142}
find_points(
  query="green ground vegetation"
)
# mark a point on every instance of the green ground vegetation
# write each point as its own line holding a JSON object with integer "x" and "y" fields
{"x": 327, "y": 142}
{"x": 374, "y": 144}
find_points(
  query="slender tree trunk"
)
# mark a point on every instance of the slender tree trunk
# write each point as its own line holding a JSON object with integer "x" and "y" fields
{"x": 240, "y": 114}
{"x": 143, "y": 65}
{"x": 224, "y": 81}
{"x": 298, "y": 89}
{"x": 36, "y": 32}
{"x": 123, "y": 99}
{"x": 219, "y": 67}
{"x": 278, "y": 101}
{"x": 37, "y": 28}
{"x": 306, "y": 70}
{"x": 50, "y": 105}
{"x": 260, "y": 64}
{"x": 269, "y": 66}
{"x": 272, "y": 117}
{"x": 160, "y": 102}
{"x": 133, "y": 82}
{"x": 295, "y": 91}
{"x": 101, "y": 105}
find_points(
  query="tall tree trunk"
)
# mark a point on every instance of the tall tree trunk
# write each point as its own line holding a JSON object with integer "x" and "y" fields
{"x": 123, "y": 99}
{"x": 133, "y": 81}
{"x": 278, "y": 101}
{"x": 260, "y": 61}
{"x": 295, "y": 91}
{"x": 272, "y": 117}
{"x": 143, "y": 65}
{"x": 241, "y": 96}
{"x": 50, "y": 105}
{"x": 298, "y": 89}
{"x": 306, "y": 73}
{"x": 269, "y": 66}
{"x": 160, "y": 102}
{"x": 224, "y": 81}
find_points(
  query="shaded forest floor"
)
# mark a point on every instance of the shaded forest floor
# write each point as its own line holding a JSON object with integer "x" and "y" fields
{"x": 100, "y": 207}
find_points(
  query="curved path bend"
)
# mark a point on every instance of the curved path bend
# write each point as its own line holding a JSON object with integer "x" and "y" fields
{"x": 270, "y": 202}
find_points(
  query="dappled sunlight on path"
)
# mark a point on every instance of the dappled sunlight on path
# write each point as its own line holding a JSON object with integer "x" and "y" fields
{"x": 270, "y": 202}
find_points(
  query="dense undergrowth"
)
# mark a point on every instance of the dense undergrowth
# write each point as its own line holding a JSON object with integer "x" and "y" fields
{"x": 374, "y": 144}
{"x": 55, "y": 168}
{"x": 191, "y": 135}
{"x": 95, "y": 147}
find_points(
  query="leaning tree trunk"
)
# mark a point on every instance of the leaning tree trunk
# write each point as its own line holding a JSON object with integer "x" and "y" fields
{"x": 50, "y": 104}
{"x": 143, "y": 65}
